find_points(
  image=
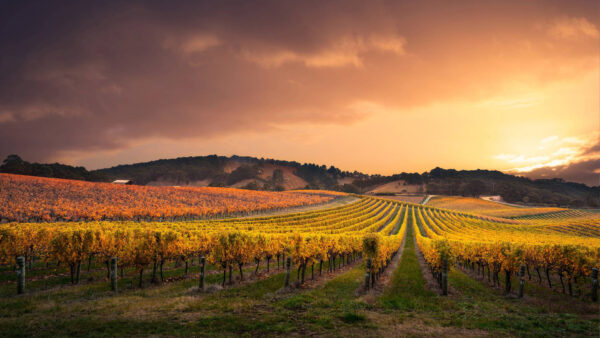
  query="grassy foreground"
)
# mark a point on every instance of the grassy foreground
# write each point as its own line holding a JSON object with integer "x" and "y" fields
{"x": 332, "y": 308}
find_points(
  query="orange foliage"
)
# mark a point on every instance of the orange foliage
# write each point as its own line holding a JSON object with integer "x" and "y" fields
{"x": 27, "y": 198}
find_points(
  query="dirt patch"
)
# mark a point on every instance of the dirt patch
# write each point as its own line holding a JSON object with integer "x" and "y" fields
{"x": 400, "y": 187}
{"x": 290, "y": 180}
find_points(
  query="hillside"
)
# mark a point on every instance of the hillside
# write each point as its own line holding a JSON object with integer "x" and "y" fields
{"x": 235, "y": 171}
{"x": 397, "y": 187}
{"x": 269, "y": 174}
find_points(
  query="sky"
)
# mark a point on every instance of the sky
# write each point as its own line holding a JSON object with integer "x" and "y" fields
{"x": 374, "y": 86}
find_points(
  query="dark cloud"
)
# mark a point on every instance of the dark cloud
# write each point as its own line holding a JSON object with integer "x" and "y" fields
{"x": 85, "y": 76}
{"x": 585, "y": 170}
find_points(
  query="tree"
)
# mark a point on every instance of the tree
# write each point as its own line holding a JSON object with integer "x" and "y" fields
{"x": 474, "y": 188}
{"x": 277, "y": 178}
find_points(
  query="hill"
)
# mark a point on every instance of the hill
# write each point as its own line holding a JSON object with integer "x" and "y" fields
{"x": 235, "y": 171}
{"x": 269, "y": 174}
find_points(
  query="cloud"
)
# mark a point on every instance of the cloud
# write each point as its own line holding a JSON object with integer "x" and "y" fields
{"x": 345, "y": 51}
{"x": 572, "y": 28}
{"x": 550, "y": 139}
{"x": 514, "y": 103}
{"x": 565, "y": 150}
{"x": 81, "y": 77}
{"x": 586, "y": 171}
{"x": 6, "y": 117}
{"x": 576, "y": 164}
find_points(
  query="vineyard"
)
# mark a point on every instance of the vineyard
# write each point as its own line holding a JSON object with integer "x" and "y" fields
{"x": 33, "y": 199}
{"x": 308, "y": 238}
{"x": 483, "y": 207}
{"x": 361, "y": 265}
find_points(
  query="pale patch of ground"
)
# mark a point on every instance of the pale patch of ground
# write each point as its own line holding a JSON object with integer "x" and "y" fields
{"x": 498, "y": 199}
{"x": 398, "y": 187}
{"x": 290, "y": 181}
{"x": 427, "y": 199}
{"x": 231, "y": 166}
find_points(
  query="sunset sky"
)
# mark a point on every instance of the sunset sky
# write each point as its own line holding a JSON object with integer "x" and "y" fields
{"x": 375, "y": 86}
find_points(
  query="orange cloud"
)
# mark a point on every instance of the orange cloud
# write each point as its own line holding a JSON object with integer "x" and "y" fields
{"x": 342, "y": 52}
{"x": 562, "y": 152}
{"x": 572, "y": 28}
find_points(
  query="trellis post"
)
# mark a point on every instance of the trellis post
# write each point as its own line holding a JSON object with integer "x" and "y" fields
{"x": 20, "y": 275}
{"x": 445, "y": 277}
{"x": 521, "y": 281}
{"x": 288, "y": 263}
{"x": 595, "y": 284}
{"x": 368, "y": 273}
{"x": 113, "y": 273}
{"x": 202, "y": 272}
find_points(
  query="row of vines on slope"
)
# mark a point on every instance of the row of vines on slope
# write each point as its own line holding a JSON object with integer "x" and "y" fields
{"x": 445, "y": 236}
{"x": 308, "y": 238}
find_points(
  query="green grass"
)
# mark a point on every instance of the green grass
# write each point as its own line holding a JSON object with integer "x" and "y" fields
{"x": 407, "y": 288}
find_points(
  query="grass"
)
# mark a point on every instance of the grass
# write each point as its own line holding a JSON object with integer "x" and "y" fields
{"x": 407, "y": 288}
{"x": 332, "y": 308}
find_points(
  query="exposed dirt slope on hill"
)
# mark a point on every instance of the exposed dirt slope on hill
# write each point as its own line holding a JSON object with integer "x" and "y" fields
{"x": 398, "y": 187}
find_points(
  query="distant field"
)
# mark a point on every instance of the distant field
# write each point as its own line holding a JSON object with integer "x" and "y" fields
{"x": 483, "y": 207}
{"x": 407, "y": 198}
{"x": 27, "y": 198}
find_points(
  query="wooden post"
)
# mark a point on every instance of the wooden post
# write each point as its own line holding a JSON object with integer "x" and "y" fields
{"x": 445, "y": 277}
{"x": 20, "y": 275}
{"x": 288, "y": 262}
{"x": 202, "y": 272}
{"x": 113, "y": 273}
{"x": 595, "y": 284}
{"x": 368, "y": 274}
{"x": 521, "y": 281}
